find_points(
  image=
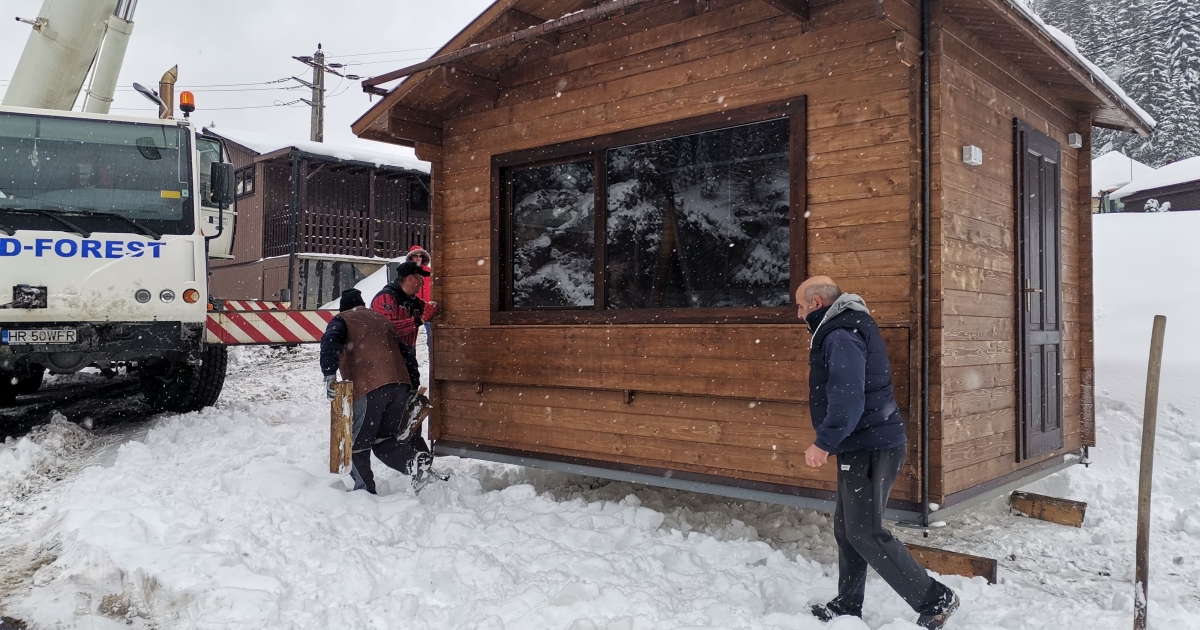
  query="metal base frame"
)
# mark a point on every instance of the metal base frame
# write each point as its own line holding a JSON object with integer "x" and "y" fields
{"x": 906, "y": 513}
{"x": 820, "y": 500}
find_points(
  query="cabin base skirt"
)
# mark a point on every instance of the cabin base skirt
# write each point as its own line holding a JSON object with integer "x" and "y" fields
{"x": 821, "y": 500}
{"x": 905, "y": 512}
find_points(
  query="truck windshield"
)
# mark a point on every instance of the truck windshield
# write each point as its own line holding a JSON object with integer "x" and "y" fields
{"x": 104, "y": 175}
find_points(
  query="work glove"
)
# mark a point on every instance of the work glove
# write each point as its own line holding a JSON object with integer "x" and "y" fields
{"x": 329, "y": 381}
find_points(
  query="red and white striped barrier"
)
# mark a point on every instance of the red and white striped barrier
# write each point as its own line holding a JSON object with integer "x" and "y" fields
{"x": 255, "y": 305}
{"x": 233, "y": 328}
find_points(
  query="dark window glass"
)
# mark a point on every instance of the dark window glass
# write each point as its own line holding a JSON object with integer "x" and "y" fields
{"x": 249, "y": 178}
{"x": 418, "y": 197}
{"x": 700, "y": 220}
{"x": 553, "y": 235}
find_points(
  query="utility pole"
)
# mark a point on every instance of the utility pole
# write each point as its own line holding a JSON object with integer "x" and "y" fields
{"x": 317, "y": 85}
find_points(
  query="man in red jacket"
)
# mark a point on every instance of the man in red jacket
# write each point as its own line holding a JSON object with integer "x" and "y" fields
{"x": 398, "y": 302}
{"x": 418, "y": 255}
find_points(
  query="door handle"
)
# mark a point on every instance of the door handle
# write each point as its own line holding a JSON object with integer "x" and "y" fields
{"x": 1029, "y": 291}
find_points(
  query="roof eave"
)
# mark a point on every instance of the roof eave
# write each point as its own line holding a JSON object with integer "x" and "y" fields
{"x": 1083, "y": 72}
{"x": 379, "y": 111}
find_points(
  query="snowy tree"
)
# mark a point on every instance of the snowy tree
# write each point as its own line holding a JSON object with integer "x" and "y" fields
{"x": 1152, "y": 49}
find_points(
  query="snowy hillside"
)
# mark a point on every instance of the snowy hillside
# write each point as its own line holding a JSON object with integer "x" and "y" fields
{"x": 227, "y": 519}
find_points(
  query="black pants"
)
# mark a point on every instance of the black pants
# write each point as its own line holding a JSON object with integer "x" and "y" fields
{"x": 410, "y": 362}
{"x": 865, "y": 480}
{"x": 378, "y": 419}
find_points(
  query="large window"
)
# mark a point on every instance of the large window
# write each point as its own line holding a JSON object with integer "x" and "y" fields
{"x": 701, "y": 221}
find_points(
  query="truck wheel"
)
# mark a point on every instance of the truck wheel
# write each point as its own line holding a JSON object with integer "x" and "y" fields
{"x": 8, "y": 389}
{"x": 179, "y": 387}
{"x": 30, "y": 381}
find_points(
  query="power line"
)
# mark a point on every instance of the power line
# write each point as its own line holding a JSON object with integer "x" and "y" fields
{"x": 383, "y": 52}
{"x": 217, "y": 109}
{"x": 372, "y": 63}
{"x": 211, "y": 85}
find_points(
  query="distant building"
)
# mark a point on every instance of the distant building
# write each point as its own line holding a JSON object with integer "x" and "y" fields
{"x": 1173, "y": 187}
{"x": 355, "y": 209}
{"x": 1110, "y": 172}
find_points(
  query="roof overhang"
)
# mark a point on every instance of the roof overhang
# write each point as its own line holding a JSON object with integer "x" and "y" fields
{"x": 1055, "y": 61}
{"x": 408, "y": 116}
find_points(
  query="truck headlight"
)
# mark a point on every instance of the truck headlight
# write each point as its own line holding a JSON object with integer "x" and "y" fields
{"x": 191, "y": 296}
{"x": 142, "y": 296}
{"x": 167, "y": 295}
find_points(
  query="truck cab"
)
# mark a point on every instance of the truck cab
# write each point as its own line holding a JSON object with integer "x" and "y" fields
{"x": 105, "y": 227}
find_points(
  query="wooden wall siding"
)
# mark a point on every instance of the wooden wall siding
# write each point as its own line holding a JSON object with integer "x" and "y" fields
{"x": 402, "y": 227}
{"x": 670, "y": 62}
{"x": 237, "y": 282}
{"x": 975, "y": 403}
{"x": 276, "y": 183}
{"x": 248, "y": 234}
{"x": 334, "y": 217}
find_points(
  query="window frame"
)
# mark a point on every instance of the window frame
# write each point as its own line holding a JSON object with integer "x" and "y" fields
{"x": 595, "y": 149}
{"x": 240, "y": 174}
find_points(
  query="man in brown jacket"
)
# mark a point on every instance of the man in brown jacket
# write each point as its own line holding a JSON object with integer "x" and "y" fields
{"x": 363, "y": 345}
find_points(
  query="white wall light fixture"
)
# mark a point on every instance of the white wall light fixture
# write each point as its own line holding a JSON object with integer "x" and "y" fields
{"x": 1075, "y": 141}
{"x": 972, "y": 155}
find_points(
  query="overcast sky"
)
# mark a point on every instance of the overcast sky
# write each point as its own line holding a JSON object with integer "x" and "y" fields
{"x": 252, "y": 42}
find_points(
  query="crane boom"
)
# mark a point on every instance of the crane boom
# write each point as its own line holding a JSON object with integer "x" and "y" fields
{"x": 111, "y": 58}
{"x": 65, "y": 41}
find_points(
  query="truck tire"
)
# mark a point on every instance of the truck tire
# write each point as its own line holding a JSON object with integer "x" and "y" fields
{"x": 30, "y": 381}
{"x": 179, "y": 387}
{"x": 8, "y": 389}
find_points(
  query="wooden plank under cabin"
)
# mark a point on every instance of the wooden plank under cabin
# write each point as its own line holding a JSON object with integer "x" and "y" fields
{"x": 1061, "y": 511}
{"x": 954, "y": 563}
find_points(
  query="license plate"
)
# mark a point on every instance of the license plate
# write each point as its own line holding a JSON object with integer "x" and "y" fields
{"x": 37, "y": 336}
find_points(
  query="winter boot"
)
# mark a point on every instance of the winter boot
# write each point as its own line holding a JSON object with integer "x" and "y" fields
{"x": 423, "y": 472}
{"x": 938, "y": 621}
{"x": 834, "y": 609}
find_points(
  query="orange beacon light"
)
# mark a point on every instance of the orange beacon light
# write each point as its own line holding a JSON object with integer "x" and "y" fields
{"x": 187, "y": 103}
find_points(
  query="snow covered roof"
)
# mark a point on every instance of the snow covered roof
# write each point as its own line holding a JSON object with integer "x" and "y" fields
{"x": 263, "y": 143}
{"x": 1181, "y": 172}
{"x": 1067, "y": 45}
{"x": 1114, "y": 170}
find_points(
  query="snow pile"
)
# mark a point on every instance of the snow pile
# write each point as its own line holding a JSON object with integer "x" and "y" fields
{"x": 263, "y": 143}
{"x": 38, "y": 456}
{"x": 1181, "y": 172}
{"x": 229, "y": 519}
{"x": 1114, "y": 170}
{"x": 1145, "y": 265}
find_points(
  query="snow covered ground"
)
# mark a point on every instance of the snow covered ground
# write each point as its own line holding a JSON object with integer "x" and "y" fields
{"x": 228, "y": 519}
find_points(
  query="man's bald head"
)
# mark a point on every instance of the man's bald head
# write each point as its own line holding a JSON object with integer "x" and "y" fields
{"x": 815, "y": 293}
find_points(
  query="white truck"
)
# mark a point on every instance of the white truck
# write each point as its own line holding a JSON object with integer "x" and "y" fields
{"x": 106, "y": 227}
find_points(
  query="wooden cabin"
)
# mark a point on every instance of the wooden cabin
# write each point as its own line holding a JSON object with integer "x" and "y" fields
{"x": 626, "y": 195}
{"x": 355, "y": 209}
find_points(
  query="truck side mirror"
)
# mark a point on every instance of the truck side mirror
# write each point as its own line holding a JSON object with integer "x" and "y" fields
{"x": 221, "y": 177}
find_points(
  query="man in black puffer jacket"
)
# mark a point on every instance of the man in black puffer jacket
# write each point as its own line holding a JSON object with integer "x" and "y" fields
{"x": 856, "y": 419}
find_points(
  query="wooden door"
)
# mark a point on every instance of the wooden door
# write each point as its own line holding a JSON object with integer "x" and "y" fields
{"x": 1039, "y": 292}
